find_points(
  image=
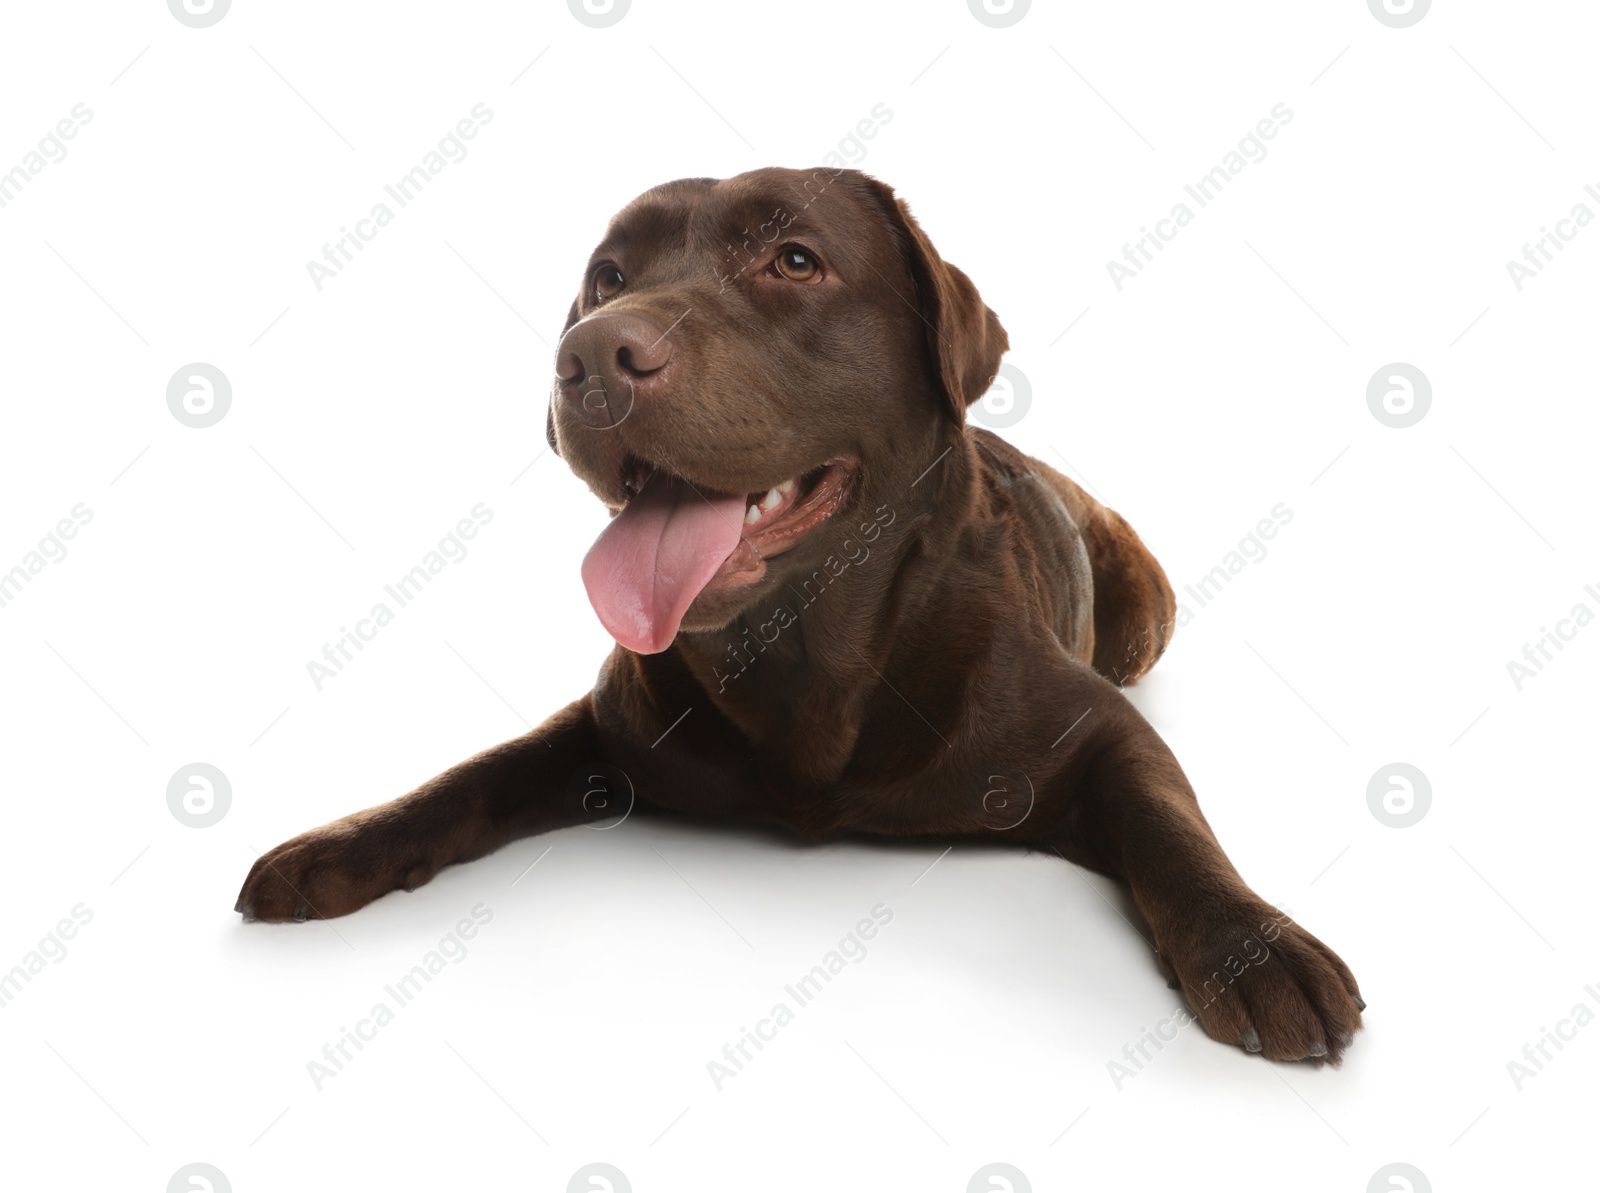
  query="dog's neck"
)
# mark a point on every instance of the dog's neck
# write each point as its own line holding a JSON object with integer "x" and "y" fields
{"x": 818, "y": 647}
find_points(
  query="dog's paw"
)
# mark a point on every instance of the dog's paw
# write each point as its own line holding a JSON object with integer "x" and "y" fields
{"x": 1255, "y": 978}
{"x": 331, "y": 871}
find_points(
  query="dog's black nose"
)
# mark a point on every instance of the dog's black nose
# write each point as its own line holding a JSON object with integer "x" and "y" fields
{"x": 626, "y": 352}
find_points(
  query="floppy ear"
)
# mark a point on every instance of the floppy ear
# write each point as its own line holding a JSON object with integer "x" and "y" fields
{"x": 964, "y": 338}
{"x": 550, "y": 410}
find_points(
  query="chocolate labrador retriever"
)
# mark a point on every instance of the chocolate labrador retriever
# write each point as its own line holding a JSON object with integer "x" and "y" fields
{"x": 838, "y": 607}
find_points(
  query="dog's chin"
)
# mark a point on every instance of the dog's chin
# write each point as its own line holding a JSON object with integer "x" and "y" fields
{"x": 794, "y": 513}
{"x": 717, "y": 607}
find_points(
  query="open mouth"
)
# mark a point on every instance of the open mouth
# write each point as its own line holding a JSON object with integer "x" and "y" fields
{"x": 674, "y": 541}
{"x": 777, "y": 519}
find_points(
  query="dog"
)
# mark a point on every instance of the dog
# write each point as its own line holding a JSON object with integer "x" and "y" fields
{"x": 839, "y": 608}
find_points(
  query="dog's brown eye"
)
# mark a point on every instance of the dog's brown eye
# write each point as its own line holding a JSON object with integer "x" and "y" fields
{"x": 608, "y": 281}
{"x": 794, "y": 263}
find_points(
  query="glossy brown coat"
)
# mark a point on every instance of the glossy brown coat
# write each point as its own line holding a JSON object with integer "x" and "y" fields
{"x": 941, "y": 658}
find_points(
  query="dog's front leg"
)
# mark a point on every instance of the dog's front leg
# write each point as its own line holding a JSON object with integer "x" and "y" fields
{"x": 1251, "y": 975}
{"x": 521, "y": 787}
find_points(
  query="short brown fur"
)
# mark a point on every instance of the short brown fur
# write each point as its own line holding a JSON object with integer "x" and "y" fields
{"x": 987, "y": 617}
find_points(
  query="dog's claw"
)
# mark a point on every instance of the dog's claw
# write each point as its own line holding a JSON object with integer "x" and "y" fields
{"x": 299, "y": 915}
{"x": 1346, "y": 1039}
{"x": 1251, "y": 1040}
{"x": 1361, "y": 1003}
{"x": 1318, "y": 1049}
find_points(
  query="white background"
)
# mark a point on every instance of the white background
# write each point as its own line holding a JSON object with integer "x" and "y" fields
{"x": 367, "y": 418}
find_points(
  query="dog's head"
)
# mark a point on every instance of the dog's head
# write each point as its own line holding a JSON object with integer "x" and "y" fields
{"x": 749, "y": 361}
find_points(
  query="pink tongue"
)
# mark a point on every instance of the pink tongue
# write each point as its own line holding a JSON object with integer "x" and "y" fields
{"x": 649, "y": 564}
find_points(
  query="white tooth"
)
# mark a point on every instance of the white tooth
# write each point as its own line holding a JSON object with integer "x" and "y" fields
{"x": 752, "y": 516}
{"x": 771, "y": 499}
{"x": 787, "y": 487}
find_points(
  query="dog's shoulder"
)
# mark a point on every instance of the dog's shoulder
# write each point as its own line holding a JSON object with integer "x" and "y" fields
{"x": 1043, "y": 531}
{"x": 1029, "y": 487}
